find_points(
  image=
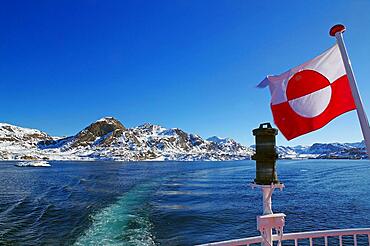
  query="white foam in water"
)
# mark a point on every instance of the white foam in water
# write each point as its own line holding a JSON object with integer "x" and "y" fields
{"x": 123, "y": 223}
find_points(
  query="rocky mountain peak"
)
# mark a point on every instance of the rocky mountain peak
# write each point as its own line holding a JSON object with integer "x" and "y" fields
{"x": 100, "y": 128}
{"x": 108, "y": 139}
{"x": 13, "y": 133}
{"x": 107, "y": 119}
{"x": 18, "y": 142}
{"x": 217, "y": 140}
{"x": 149, "y": 128}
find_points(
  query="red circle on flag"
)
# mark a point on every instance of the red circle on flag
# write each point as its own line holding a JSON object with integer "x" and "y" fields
{"x": 305, "y": 82}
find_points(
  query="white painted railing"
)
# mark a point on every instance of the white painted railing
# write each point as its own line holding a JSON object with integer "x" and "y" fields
{"x": 297, "y": 237}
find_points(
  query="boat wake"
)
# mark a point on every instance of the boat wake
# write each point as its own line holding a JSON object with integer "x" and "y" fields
{"x": 126, "y": 222}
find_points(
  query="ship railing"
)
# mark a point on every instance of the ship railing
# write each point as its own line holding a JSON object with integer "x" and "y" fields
{"x": 340, "y": 235}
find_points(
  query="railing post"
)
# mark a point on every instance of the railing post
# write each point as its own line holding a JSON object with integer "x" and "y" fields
{"x": 311, "y": 235}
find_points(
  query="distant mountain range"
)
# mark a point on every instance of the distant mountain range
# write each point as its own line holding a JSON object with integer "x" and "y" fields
{"x": 325, "y": 151}
{"x": 109, "y": 139}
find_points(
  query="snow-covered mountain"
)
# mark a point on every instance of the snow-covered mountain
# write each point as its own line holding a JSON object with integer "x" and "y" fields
{"x": 16, "y": 142}
{"x": 325, "y": 151}
{"x": 218, "y": 140}
{"x": 109, "y": 139}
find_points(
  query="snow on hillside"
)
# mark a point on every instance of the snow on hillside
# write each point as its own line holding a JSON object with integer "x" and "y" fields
{"x": 18, "y": 142}
{"x": 218, "y": 140}
{"x": 108, "y": 139}
{"x": 325, "y": 151}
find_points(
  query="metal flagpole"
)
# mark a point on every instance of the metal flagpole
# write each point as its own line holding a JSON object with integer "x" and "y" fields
{"x": 336, "y": 31}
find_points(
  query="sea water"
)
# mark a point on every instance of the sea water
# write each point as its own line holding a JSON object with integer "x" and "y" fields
{"x": 172, "y": 203}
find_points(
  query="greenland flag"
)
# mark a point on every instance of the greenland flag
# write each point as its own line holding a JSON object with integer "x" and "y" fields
{"x": 309, "y": 96}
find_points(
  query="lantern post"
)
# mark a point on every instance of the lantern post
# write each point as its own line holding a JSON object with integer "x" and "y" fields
{"x": 267, "y": 180}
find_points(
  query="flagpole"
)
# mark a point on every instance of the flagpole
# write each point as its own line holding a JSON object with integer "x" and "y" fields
{"x": 337, "y": 32}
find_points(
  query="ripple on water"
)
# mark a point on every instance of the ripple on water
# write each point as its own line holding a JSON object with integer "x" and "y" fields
{"x": 126, "y": 204}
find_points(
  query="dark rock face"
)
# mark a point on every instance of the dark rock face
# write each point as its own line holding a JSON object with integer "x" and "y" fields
{"x": 102, "y": 132}
{"x": 108, "y": 128}
{"x": 51, "y": 143}
{"x": 183, "y": 139}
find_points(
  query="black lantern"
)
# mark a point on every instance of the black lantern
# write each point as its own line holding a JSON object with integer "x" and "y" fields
{"x": 265, "y": 155}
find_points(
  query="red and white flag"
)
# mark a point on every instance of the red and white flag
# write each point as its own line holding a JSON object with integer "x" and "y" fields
{"x": 309, "y": 96}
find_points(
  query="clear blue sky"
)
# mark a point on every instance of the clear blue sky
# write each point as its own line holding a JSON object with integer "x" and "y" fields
{"x": 187, "y": 64}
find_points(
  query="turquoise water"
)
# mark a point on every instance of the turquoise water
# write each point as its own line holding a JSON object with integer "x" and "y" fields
{"x": 123, "y": 221}
{"x": 172, "y": 203}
